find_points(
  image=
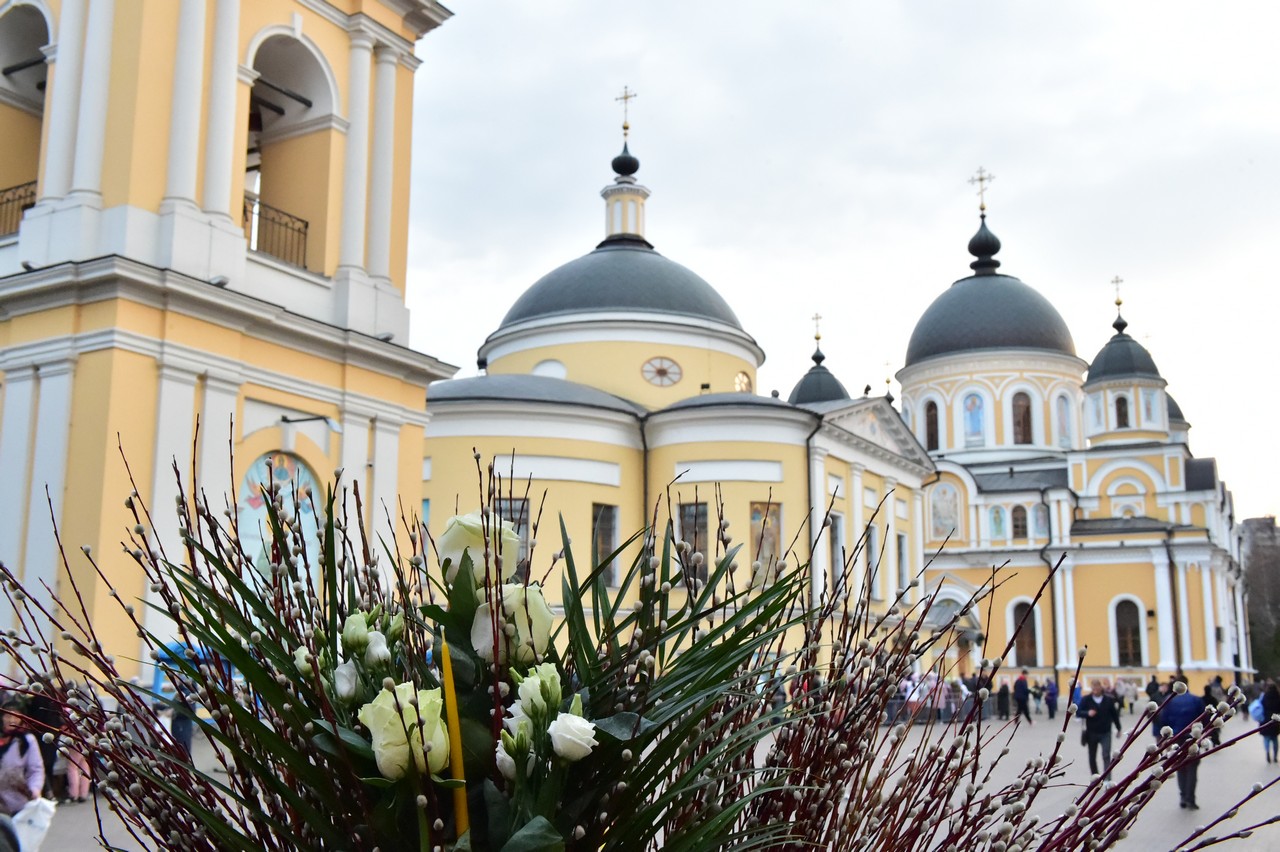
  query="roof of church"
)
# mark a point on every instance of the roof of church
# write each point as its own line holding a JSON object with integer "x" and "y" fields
{"x": 1022, "y": 480}
{"x": 1097, "y": 526}
{"x": 1202, "y": 474}
{"x": 708, "y": 400}
{"x": 1122, "y": 357}
{"x": 524, "y": 388}
{"x": 988, "y": 310}
{"x": 1175, "y": 410}
{"x": 623, "y": 273}
{"x": 817, "y": 385}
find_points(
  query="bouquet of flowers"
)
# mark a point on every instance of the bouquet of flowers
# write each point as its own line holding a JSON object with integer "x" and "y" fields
{"x": 420, "y": 695}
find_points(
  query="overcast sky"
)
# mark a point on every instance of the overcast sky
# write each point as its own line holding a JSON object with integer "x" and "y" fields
{"x": 814, "y": 156}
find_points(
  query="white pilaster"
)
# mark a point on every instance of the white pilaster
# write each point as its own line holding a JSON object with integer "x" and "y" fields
{"x": 917, "y": 533}
{"x": 1210, "y": 617}
{"x": 175, "y": 406}
{"x": 1164, "y": 609}
{"x": 1062, "y": 655}
{"x": 1069, "y": 594}
{"x": 221, "y": 129}
{"x": 381, "y": 169}
{"x": 1242, "y": 636}
{"x": 15, "y": 456}
{"x": 819, "y": 561}
{"x": 48, "y": 480}
{"x": 859, "y": 527}
{"x": 356, "y": 161}
{"x": 64, "y": 101}
{"x": 385, "y": 487}
{"x": 213, "y": 467}
{"x": 95, "y": 90}
{"x": 188, "y": 103}
{"x": 1184, "y": 615}
{"x": 355, "y": 464}
{"x": 889, "y": 565}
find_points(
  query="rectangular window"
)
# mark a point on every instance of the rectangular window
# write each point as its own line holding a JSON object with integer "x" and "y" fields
{"x": 693, "y": 529}
{"x": 766, "y": 534}
{"x": 835, "y": 538}
{"x": 516, "y": 512}
{"x": 425, "y": 518}
{"x": 904, "y": 564}
{"x": 604, "y": 540}
{"x": 873, "y": 563}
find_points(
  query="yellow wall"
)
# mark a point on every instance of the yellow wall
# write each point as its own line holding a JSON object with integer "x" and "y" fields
{"x": 301, "y": 176}
{"x": 19, "y": 146}
{"x": 615, "y": 367}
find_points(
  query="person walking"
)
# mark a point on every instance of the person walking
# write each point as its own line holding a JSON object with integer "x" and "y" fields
{"x": 1100, "y": 715}
{"x": 1270, "y": 727}
{"x": 1178, "y": 715}
{"x": 1051, "y": 696}
{"x": 1022, "y": 697}
{"x": 21, "y": 767}
{"x": 1153, "y": 689}
{"x": 1002, "y": 701}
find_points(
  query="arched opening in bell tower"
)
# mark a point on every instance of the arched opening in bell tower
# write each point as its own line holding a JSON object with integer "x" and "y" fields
{"x": 24, "y": 33}
{"x": 292, "y": 153}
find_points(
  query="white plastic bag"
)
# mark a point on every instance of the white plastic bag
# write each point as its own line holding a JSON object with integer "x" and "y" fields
{"x": 32, "y": 823}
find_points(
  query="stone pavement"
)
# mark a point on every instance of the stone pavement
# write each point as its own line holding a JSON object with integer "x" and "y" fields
{"x": 1224, "y": 779}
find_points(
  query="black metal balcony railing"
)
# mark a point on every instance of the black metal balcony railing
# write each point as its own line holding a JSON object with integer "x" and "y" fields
{"x": 277, "y": 233}
{"x": 13, "y": 201}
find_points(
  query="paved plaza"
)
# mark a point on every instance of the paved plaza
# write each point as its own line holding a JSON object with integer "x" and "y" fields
{"x": 1224, "y": 780}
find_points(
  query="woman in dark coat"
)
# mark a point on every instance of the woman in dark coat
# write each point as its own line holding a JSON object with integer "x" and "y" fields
{"x": 1002, "y": 701}
{"x": 1270, "y": 727}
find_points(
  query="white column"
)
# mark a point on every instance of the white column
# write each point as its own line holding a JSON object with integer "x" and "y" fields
{"x": 15, "y": 454}
{"x": 891, "y": 536}
{"x": 355, "y": 465}
{"x": 356, "y": 162}
{"x": 381, "y": 171}
{"x": 1164, "y": 609}
{"x": 48, "y": 480}
{"x": 859, "y": 527}
{"x": 64, "y": 100}
{"x": 175, "y": 405}
{"x": 1242, "y": 636}
{"x": 1210, "y": 618}
{"x": 819, "y": 563}
{"x": 385, "y": 488}
{"x": 220, "y": 132}
{"x": 95, "y": 90}
{"x": 917, "y": 536}
{"x": 1184, "y": 615}
{"x": 213, "y": 468}
{"x": 188, "y": 102}
{"x": 1069, "y": 594}
{"x": 1063, "y": 658}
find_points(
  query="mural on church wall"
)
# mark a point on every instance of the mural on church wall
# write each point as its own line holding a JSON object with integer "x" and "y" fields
{"x": 1041, "y": 516}
{"x": 297, "y": 484}
{"x": 1064, "y": 423}
{"x": 974, "y": 431}
{"x": 766, "y": 532}
{"x": 1149, "y": 407}
{"x": 997, "y": 523}
{"x": 944, "y": 512}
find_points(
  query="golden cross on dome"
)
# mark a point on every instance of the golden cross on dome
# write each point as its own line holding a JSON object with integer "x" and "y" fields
{"x": 626, "y": 97}
{"x": 982, "y": 178}
{"x": 1116, "y": 282}
{"x": 817, "y": 332}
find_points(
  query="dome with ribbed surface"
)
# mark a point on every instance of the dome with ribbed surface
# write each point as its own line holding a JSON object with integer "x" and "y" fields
{"x": 623, "y": 274}
{"x": 817, "y": 385}
{"x": 1122, "y": 357}
{"x": 988, "y": 310}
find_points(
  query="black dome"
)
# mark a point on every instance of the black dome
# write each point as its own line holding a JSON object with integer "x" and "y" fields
{"x": 1122, "y": 357}
{"x": 817, "y": 385}
{"x": 988, "y": 310}
{"x": 625, "y": 163}
{"x": 624, "y": 273}
{"x": 1174, "y": 410}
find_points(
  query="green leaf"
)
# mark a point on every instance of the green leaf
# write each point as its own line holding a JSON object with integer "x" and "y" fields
{"x": 625, "y": 725}
{"x": 449, "y": 783}
{"x": 537, "y": 835}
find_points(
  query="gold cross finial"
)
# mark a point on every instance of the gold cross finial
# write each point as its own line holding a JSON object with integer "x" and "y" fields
{"x": 982, "y": 178}
{"x": 1116, "y": 282}
{"x": 626, "y": 98}
{"x": 817, "y": 333}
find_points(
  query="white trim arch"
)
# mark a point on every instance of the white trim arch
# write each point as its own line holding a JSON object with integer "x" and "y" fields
{"x": 1037, "y": 621}
{"x": 50, "y": 25}
{"x": 282, "y": 30}
{"x": 1036, "y": 400}
{"x": 1158, "y": 485}
{"x": 988, "y": 418}
{"x": 1113, "y": 637}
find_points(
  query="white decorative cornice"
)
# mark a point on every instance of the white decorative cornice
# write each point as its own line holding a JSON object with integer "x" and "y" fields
{"x": 302, "y": 128}
{"x": 10, "y": 98}
{"x": 976, "y": 362}
{"x": 247, "y": 75}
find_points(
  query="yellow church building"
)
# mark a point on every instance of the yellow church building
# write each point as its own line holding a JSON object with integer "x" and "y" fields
{"x": 203, "y": 236}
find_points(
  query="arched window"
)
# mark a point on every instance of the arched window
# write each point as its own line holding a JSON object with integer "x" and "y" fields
{"x": 1122, "y": 412}
{"x": 1021, "y": 418}
{"x": 1024, "y": 647}
{"x": 931, "y": 425}
{"x": 1128, "y": 637}
{"x": 1018, "y": 520}
{"x": 23, "y": 32}
{"x": 1064, "y": 423}
{"x": 302, "y": 496}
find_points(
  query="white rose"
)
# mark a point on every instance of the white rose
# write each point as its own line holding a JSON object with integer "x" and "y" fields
{"x": 398, "y": 729}
{"x": 346, "y": 681}
{"x": 506, "y": 765}
{"x": 355, "y": 633}
{"x": 466, "y": 533}
{"x": 572, "y": 736}
{"x": 527, "y": 609}
{"x": 377, "y": 650}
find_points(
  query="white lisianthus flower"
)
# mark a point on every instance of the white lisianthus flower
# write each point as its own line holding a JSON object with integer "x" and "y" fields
{"x": 572, "y": 736}
{"x": 526, "y": 609}
{"x": 466, "y": 533}
{"x": 549, "y": 681}
{"x": 377, "y": 650}
{"x": 517, "y": 715}
{"x": 346, "y": 681}
{"x": 355, "y": 633}
{"x": 531, "y": 698}
{"x": 506, "y": 765}
{"x": 300, "y": 660}
{"x": 399, "y": 728}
